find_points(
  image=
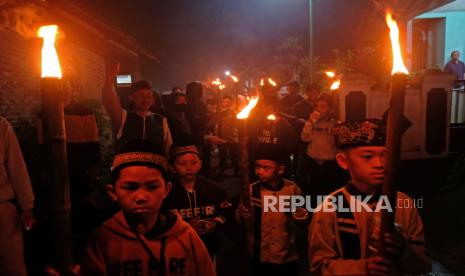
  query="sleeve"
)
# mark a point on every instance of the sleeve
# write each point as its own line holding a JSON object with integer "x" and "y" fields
{"x": 446, "y": 68}
{"x": 168, "y": 141}
{"x": 112, "y": 105}
{"x": 415, "y": 257}
{"x": 306, "y": 134}
{"x": 289, "y": 135}
{"x": 297, "y": 190}
{"x": 16, "y": 168}
{"x": 323, "y": 253}
{"x": 202, "y": 261}
{"x": 119, "y": 129}
{"x": 220, "y": 196}
{"x": 93, "y": 262}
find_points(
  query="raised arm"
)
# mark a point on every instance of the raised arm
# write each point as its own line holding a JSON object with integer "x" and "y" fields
{"x": 306, "y": 134}
{"x": 110, "y": 100}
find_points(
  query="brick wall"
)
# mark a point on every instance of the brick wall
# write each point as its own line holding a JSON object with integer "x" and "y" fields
{"x": 20, "y": 85}
{"x": 19, "y": 79}
{"x": 20, "y": 75}
{"x": 88, "y": 71}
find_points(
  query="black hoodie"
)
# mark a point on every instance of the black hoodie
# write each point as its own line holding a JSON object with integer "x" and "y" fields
{"x": 205, "y": 202}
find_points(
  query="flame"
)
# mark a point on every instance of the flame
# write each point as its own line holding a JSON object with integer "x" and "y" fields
{"x": 330, "y": 74}
{"x": 271, "y": 81}
{"x": 335, "y": 85}
{"x": 271, "y": 117}
{"x": 222, "y": 86}
{"x": 234, "y": 78}
{"x": 244, "y": 114}
{"x": 50, "y": 62}
{"x": 216, "y": 82}
{"x": 262, "y": 82}
{"x": 398, "y": 65}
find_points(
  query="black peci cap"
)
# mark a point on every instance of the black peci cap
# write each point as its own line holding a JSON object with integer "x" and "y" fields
{"x": 368, "y": 132}
{"x": 138, "y": 153}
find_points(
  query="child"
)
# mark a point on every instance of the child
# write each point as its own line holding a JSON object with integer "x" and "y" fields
{"x": 140, "y": 239}
{"x": 270, "y": 235}
{"x": 341, "y": 243}
{"x": 140, "y": 123}
{"x": 229, "y": 132}
{"x": 319, "y": 172}
{"x": 197, "y": 199}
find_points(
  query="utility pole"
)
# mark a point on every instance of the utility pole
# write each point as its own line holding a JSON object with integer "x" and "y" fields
{"x": 310, "y": 44}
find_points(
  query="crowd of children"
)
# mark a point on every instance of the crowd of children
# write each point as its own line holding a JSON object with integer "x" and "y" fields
{"x": 170, "y": 213}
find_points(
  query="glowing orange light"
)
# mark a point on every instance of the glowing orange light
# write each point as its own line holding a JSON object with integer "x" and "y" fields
{"x": 262, "y": 82}
{"x": 398, "y": 65}
{"x": 244, "y": 114}
{"x": 271, "y": 117}
{"x": 50, "y": 62}
{"x": 271, "y": 81}
{"x": 335, "y": 85}
{"x": 216, "y": 82}
{"x": 222, "y": 86}
{"x": 330, "y": 74}
{"x": 234, "y": 78}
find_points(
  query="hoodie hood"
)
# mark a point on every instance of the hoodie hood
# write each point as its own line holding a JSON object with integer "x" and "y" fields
{"x": 168, "y": 225}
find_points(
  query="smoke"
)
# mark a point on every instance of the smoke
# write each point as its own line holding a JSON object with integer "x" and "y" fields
{"x": 21, "y": 16}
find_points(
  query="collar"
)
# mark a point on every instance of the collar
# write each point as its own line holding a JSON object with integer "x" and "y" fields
{"x": 350, "y": 187}
{"x": 163, "y": 224}
{"x": 145, "y": 115}
{"x": 177, "y": 183}
{"x": 271, "y": 188}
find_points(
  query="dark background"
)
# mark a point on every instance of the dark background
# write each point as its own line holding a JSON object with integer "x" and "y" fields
{"x": 198, "y": 39}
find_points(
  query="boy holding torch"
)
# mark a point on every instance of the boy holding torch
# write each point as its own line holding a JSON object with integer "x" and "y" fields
{"x": 271, "y": 236}
{"x": 344, "y": 243}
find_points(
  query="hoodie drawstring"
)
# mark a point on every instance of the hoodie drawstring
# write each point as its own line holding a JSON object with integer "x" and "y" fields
{"x": 151, "y": 255}
{"x": 162, "y": 257}
{"x": 190, "y": 203}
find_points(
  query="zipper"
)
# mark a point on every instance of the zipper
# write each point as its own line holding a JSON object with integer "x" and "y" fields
{"x": 143, "y": 129}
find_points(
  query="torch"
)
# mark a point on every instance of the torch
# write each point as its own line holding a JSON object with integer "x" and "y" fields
{"x": 244, "y": 146}
{"x": 219, "y": 86}
{"x": 55, "y": 140}
{"x": 272, "y": 120}
{"x": 395, "y": 130}
{"x": 335, "y": 85}
{"x": 272, "y": 82}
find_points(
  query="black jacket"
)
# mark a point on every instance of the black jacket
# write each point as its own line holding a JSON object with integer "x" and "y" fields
{"x": 205, "y": 202}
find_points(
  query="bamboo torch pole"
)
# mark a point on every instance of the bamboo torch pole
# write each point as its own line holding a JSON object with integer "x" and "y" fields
{"x": 394, "y": 133}
{"x": 55, "y": 140}
{"x": 244, "y": 148}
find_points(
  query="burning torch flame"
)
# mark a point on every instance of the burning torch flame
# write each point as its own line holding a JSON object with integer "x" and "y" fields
{"x": 262, "y": 82}
{"x": 335, "y": 85}
{"x": 50, "y": 62}
{"x": 398, "y": 65}
{"x": 216, "y": 82}
{"x": 234, "y": 78}
{"x": 271, "y": 81}
{"x": 244, "y": 114}
{"x": 271, "y": 117}
{"x": 330, "y": 74}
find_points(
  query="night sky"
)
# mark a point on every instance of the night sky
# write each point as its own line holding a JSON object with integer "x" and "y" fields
{"x": 197, "y": 39}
